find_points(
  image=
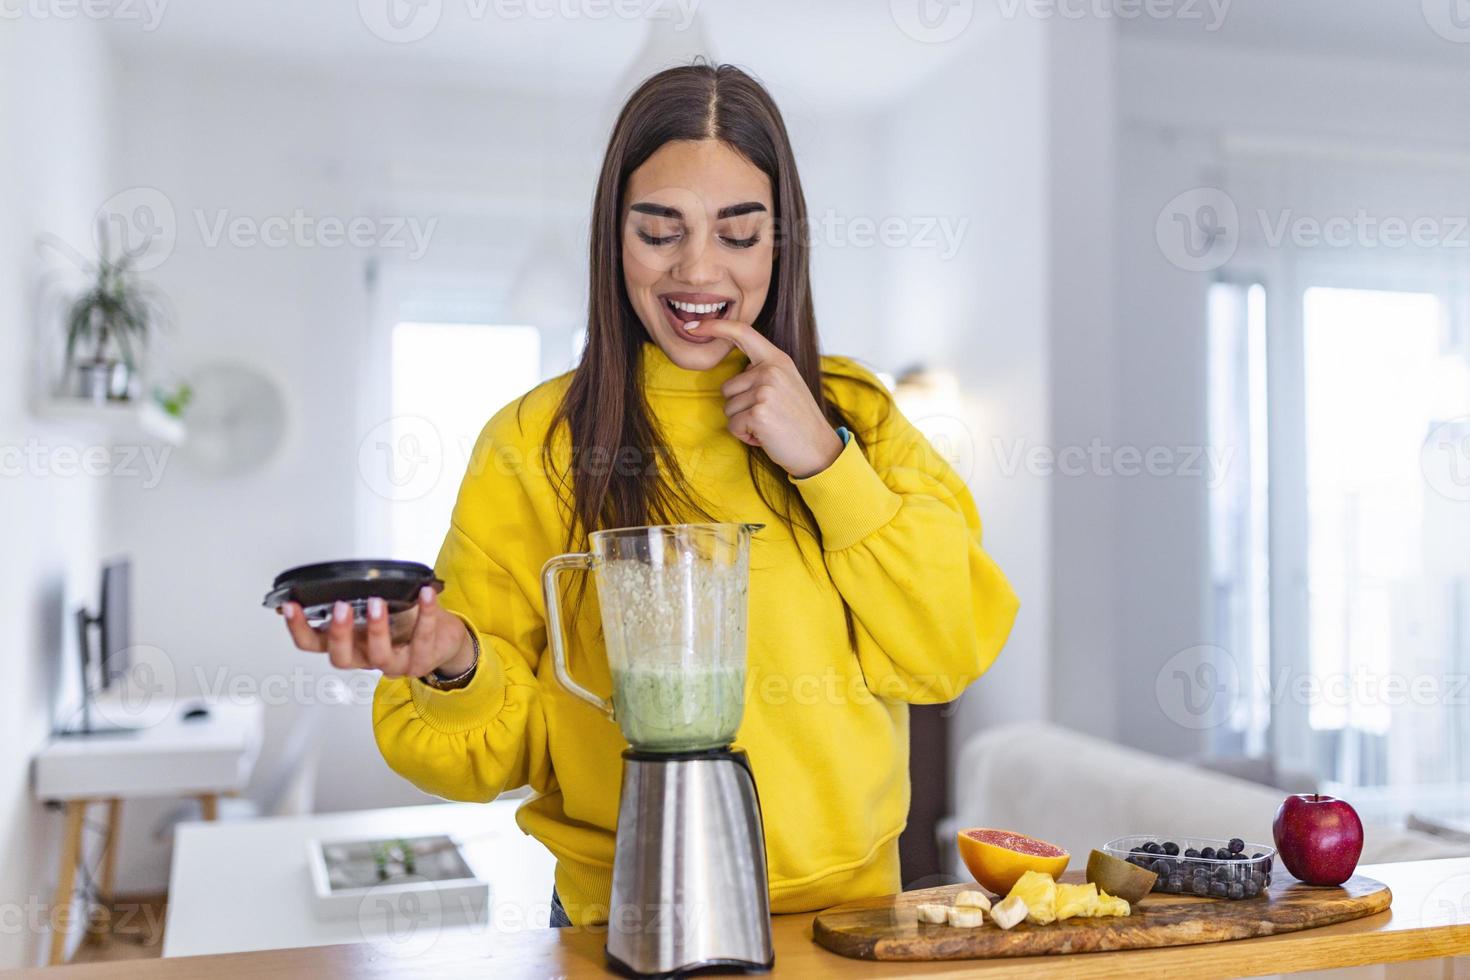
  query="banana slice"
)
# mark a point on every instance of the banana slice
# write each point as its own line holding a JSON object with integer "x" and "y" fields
{"x": 972, "y": 900}
{"x": 1008, "y": 912}
{"x": 964, "y": 917}
{"x": 931, "y": 912}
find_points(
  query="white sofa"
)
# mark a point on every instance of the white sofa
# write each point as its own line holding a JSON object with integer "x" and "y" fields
{"x": 1079, "y": 792}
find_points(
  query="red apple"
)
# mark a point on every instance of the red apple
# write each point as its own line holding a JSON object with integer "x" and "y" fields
{"x": 1318, "y": 837}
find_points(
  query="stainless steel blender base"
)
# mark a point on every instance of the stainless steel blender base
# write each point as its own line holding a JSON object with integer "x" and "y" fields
{"x": 689, "y": 889}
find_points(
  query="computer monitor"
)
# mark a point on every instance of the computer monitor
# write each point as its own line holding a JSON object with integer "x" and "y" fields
{"x": 115, "y": 620}
{"x": 109, "y": 661}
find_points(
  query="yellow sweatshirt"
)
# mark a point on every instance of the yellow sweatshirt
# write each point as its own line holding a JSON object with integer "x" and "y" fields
{"x": 825, "y": 724}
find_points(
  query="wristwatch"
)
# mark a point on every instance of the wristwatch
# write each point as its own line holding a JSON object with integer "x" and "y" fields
{"x": 439, "y": 682}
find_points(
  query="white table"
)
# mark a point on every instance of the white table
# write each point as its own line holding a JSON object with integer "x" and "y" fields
{"x": 242, "y": 886}
{"x": 164, "y": 755}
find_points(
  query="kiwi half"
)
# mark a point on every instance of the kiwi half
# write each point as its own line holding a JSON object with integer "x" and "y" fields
{"x": 1119, "y": 878}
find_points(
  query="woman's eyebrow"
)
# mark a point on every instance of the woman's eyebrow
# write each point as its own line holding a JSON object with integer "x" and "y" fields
{"x": 657, "y": 210}
{"x": 736, "y": 210}
{"x": 664, "y": 211}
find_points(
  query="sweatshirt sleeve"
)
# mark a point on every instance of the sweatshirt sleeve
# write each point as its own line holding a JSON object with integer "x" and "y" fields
{"x": 902, "y": 541}
{"x": 475, "y": 742}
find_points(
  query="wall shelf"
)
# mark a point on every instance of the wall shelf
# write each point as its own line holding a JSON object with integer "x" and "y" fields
{"x": 134, "y": 417}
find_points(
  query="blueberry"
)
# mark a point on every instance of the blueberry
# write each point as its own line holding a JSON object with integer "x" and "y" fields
{"x": 1236, "y": 845}
{"x": 1257, "y": 856}
{"x": 1192, "y": 852}
{"x": 1222, "y": 873}
{"x": 1218, "y": 889}
{"x": 1176, "y": 883}
{"x": 1200, "y": 886}
{"x": 1153, "y": 847}
{"x": 1171, "y": 848}
{"x": 1252, "y": 888}
{"x": 1208, "y": 853}
{"x": 1236, "y": 890}
{"x": 1162, "y": 868}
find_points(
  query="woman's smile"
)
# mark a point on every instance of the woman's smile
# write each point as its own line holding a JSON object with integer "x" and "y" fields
{"x": 685, "y": 308}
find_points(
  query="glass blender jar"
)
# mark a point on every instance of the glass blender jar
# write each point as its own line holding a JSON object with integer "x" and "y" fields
{"x": 673, "y": 601}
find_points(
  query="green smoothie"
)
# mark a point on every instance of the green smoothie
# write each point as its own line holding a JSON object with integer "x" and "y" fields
{"x": 671, "y": 708}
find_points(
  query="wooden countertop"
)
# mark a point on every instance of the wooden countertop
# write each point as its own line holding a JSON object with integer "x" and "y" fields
{"x": 1429, "y": 919}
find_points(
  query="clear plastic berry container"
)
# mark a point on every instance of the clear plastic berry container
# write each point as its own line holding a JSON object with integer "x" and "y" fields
{"x": 1201, "y": 866}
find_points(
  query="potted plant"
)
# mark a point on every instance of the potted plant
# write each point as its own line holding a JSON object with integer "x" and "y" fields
{"x": 108, "y": 326}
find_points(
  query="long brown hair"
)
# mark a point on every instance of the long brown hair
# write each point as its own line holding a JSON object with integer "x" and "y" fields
{"x": 604, "y": 409}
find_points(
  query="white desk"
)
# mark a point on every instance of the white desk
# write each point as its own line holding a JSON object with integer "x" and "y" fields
{"x": 164, "y": 756}
{"x": 244, "y": 885}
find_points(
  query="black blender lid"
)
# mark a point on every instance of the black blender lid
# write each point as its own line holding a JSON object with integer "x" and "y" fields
{"x": 317, "y": 587}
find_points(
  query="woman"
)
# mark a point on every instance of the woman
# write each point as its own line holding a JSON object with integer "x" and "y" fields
{"x": 700, "y": 396}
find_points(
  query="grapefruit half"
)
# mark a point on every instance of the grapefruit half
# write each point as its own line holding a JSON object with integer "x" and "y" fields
{"x": 997, "y": 858}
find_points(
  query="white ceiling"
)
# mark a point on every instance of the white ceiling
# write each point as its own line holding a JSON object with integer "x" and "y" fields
{"x": 824, "y": 53}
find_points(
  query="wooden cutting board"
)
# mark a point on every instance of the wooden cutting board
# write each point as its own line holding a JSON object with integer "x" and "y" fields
{"x": 888, "y": 928}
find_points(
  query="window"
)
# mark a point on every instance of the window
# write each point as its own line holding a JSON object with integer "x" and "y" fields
{"x": 1238, "y": 512}
{"x": 448, "y": 379}
{"x": 1383, "y": 617}
{"x": 1354, "y": 553}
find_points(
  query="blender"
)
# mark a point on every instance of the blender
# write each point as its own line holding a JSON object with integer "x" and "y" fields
{"x": 689, "y": 887}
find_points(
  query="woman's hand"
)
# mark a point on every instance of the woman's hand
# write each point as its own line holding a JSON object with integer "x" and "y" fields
{"x": 420, "y": 639}
{"x": 769, "y": 405}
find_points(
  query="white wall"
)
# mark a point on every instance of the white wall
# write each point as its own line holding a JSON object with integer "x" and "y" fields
{"x": 1082, "y": 384}
{"x": 972, "y": 144}
{"x": 53, "y": 143}
{"x": 1199, "y": 89}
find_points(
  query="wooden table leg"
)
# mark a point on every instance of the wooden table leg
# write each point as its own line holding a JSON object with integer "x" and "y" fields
{"x": 109, "y": 849}
{"x": 71, "y": 849}
{"x": 209, "y": 803}
{"x": 108, "y": 874}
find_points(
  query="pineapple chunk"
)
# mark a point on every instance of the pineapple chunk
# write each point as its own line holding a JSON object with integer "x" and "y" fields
{"x": 1077, "y": 900}
{"x": 1111, "y": 905}
{"x": 1039, "y": 892}
{"x": 972, "y": 900}
{"x": 1008, "y": 911}
{"x": 966, "y": 917}
{"x": 932, "y": 912}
